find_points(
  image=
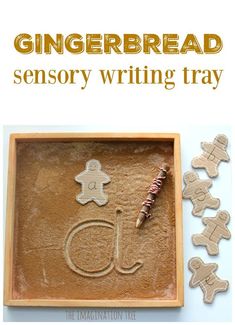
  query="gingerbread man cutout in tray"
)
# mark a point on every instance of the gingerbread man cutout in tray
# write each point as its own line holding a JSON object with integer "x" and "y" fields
{"x": 213, "y": 154}
{"x": 197, "y": 191}
{"x": 92, "y": 180}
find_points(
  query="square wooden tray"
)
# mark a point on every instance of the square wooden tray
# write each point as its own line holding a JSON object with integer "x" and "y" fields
{"x": 39, "y": 216}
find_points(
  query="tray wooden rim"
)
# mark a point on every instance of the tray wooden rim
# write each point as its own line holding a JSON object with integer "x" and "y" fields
{"x": 10, "y": 215}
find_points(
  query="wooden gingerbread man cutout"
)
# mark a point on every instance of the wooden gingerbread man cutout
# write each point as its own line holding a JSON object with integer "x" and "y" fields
{"x": 204, "y": 276}
{"x": 92, "y": 180}
{"x": 197, "y": 191}
{"x": 213, "y": 154}
{"x": 215, "y": 230}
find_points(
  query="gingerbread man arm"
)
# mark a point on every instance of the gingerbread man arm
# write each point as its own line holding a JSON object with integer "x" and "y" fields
{"x": 207, "y": 146}
{"x": 226, "y": 233}
{"x": 187, "y": 192}
{"x": 206, "y": 220}
{"x": 214, "y": 266}
{"x": 80, "y": 177}
{"x": 106, "y": 178}
{"x": 225, "y": 156}
{"x": 192, "y": 283}
{"x": 206, "y": 182}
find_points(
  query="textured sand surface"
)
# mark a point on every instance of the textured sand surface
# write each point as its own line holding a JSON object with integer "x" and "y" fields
{"x": 46, "y": 210}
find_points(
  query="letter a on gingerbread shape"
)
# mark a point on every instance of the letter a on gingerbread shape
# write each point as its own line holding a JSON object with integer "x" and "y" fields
{"x": 92, "y": 180}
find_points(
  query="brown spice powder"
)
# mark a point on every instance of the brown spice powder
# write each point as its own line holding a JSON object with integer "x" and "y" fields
{"x": 46, "y": 210}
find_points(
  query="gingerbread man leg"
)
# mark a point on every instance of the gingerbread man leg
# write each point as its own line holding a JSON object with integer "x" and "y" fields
{"x": 211, "y": 169}
{"x": 199, "y": 162}
{"x": 212, "y": 202}
{"x": 211, "y": 286}
{"x": 101, "y": 199}
{"x": 198, "y": 210}
{"x": 201, "y": 240}
{"x": 83, "y": 199}
{"x": 199, "y": 207}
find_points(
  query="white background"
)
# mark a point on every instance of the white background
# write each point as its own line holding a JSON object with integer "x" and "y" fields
{"x": 197, "y": 112}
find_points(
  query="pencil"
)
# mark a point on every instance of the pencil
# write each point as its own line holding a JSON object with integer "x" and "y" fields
{"x": 154, "y": 190}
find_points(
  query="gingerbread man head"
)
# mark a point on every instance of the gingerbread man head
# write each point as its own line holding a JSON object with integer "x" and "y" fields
{"x": 93, "y": 165}
{"x": 190, "y": 177}
{"x": 223, "y": 217}
{"x": 195, "y": 263}
{"x": 221, "y": 141}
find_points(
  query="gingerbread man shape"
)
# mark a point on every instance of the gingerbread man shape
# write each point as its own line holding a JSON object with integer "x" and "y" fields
{"x": 216, "y": 229}
{"x": 197, "y": 191}
{"x": 213, "y": 154}
{"x": 92, "y": 180}
{"x": 204, "y": 276}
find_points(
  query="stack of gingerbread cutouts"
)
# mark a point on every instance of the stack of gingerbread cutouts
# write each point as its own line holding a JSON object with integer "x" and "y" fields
{"x": 197, "y": 190}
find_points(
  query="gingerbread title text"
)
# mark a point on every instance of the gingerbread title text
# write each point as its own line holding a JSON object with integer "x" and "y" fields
{"x": 159, "y": 60}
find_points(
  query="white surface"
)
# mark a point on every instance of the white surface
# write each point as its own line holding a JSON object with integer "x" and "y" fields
{"x": 194, "y": 111}
{"x": 194, "y": 309}
{"x": 118, "y": 104}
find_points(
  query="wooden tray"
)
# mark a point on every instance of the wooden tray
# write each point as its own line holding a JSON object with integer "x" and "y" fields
{"x": 42, "y": 213}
